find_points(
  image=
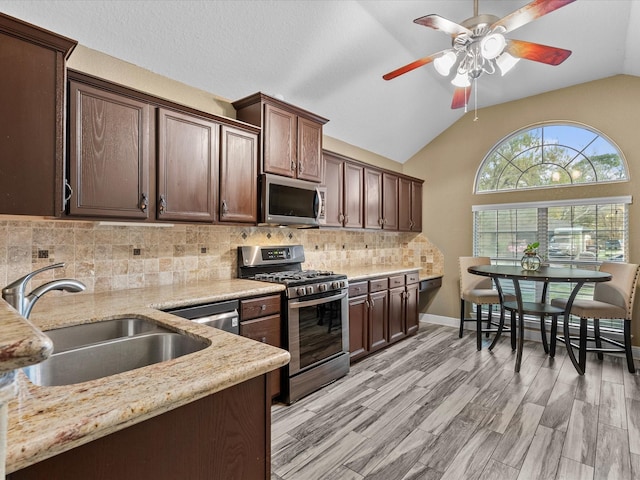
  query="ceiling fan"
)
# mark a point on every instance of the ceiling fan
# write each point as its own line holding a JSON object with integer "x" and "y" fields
{"x": 479, "y": 46}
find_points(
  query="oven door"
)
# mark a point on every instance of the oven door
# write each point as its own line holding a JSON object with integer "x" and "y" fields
{"x": 318, "y": 329}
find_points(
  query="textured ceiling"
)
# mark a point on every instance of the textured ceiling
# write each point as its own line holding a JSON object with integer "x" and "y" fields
{"x": 328, "y": 56}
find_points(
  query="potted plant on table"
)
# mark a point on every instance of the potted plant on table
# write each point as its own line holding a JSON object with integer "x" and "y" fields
{"x": 531, "y": 260}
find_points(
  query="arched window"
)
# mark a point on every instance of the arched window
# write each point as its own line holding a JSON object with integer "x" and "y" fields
{"x": 551, "y": 155}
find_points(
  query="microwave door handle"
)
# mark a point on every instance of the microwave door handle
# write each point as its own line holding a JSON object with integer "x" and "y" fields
{"x": 317, "y": 301}
{"x": 317, "y": 205}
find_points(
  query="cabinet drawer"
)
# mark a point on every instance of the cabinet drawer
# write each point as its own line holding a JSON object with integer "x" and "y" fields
{"x": 259, "y": 307}
{"x": 412, "y": 277}
{"x": 396, "y": 281}
{"x": 378, "y": 285}
{"x": 265, "y": 330}
{"x": 357, "y": 289}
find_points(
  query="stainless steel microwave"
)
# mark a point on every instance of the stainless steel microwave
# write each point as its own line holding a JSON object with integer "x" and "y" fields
{"x": 292, "y": 202}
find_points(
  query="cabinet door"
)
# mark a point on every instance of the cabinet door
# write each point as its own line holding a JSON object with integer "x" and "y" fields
{"x": 279, "y": 141}
{"x": 390, "y": 201}
{"x": 404, "y": 204}
{"x": 378, "y": 320}
{"x": 31, "y": 119}
{"x": 108, "y": 154}
{"x": 416, "y": 206}
{"x": 309, "y": 150}
{"x": 334, "y": 182}
{"x": 187, "y": 167}
{"x": 411, "y": 307}
{"x": 372, "y": 198}
{"x": 396, "y": 314}
{"x": 353, "y": 195}
{"x": 266, "y": 330}
{"x": 238, "y": 176}
{"x": 358, "y": 331}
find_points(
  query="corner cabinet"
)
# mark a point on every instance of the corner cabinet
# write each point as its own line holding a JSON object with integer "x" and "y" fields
{"x": 134, "y": 156}
{"x": 32, "y": 95}
{"x": 291, "y": 136}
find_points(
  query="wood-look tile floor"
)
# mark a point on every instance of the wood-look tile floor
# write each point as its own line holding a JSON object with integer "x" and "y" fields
{"x": 432, "y": 407}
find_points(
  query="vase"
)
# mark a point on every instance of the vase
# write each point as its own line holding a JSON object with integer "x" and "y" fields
{"x": 530, "y": 261}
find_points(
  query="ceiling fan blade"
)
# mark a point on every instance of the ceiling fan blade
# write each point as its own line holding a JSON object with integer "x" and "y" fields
{"x": 413, "y": 65}
{"x": 440, "y": 23}
{"x": 537, "y": 52}
{"x": 460, "y": 97}
{"x": 528, "y": 13}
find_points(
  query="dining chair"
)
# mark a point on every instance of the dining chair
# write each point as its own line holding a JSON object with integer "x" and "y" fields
{"x": 611, "y": 300}
{"x": 479, "y": 290}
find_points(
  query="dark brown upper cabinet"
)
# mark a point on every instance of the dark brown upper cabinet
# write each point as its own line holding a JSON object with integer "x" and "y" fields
{"x": 389, "y": 201}
{"x": 291, "y": 136}
{"x": 187, "y": 167}
{"x": 344, "y": 183}
{"x": 108, "y": 154}
{"x": 32, "y": 84}
{"x": 409, "y": 205}
{"x": 373, "y": 198}
{"x": 238, "y": 176}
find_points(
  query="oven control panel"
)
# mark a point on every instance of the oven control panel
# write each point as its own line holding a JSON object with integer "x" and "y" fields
{"x": 313, "y": 288}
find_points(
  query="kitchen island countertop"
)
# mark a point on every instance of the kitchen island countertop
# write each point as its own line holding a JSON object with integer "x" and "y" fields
{"x": 45, "y": 421}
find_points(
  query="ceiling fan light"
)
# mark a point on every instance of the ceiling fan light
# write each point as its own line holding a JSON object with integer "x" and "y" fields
{"x": 506, "y": 62}
{"x": 492, "y": 45}
{"x": 444, "y": 63}
{"x": 461, "y": 80}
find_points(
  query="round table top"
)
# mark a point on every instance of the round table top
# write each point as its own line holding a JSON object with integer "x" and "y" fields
{"x": 544, "y": 274}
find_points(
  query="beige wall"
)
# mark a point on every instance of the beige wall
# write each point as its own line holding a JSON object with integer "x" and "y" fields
{"x": 450, "y": 162}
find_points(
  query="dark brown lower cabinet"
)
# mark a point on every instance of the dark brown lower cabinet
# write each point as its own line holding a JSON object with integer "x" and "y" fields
{"x": 397, "y": 315}
{"x": 224, "y": 436}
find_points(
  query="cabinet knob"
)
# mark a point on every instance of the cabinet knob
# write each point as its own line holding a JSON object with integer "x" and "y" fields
{"x": 144, "y": 202}
{"x": 263, "y": 307}
{"x": 225, "y": 208}
{"x": 263, "y": 339}
{"x": 163, "y": 204}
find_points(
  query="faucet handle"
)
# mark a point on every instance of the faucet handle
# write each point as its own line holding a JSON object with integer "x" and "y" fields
{"x": 22, "y": 281}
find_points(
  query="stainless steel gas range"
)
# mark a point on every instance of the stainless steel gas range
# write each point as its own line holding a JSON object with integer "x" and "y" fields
{"x": 316, "y": 309}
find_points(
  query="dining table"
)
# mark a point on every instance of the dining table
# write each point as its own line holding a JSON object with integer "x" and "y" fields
{"x": 545, "y": 274}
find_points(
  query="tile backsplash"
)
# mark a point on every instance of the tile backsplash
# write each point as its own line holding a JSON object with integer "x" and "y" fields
{"x": 107, "y": 256}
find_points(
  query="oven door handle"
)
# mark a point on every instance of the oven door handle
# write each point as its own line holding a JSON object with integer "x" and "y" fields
{"x": 317, "y": 301}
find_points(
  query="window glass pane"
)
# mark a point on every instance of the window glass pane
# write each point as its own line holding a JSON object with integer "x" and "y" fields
{"x": 549, "y": 156}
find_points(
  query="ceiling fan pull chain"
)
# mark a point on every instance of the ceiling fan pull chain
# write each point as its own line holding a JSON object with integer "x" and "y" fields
{"x": 475, "y": 98}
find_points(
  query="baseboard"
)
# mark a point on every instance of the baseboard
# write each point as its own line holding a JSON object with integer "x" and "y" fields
{"x": 530, "y": 331}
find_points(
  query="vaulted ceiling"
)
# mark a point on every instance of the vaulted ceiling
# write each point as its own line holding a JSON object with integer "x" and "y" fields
{"x": 328, "y": 56}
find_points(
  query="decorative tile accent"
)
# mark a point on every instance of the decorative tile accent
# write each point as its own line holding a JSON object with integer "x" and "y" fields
{"x": 119, "y": 257}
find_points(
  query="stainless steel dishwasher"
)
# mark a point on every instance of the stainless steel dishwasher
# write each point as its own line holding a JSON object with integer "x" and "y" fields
{"x": 222, "y": 315}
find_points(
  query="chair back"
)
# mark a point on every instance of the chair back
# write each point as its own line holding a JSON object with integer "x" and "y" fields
{"x": 469, "y": 281}
{"x": 620, "y": 290}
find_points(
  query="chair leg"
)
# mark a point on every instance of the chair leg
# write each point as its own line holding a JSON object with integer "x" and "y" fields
{"x": 582, "y": 349}
{"x": 490, "y": 308}
{"x": 479, "y": 327}
{"x": 543, "y": 333}
{"x": 513, "y": 330}
{"x": 627, "y": 346}
{"x": 596, "y": 335}
{"x": 554, "y": 332}
{"x": 499, "y": 332}
{"x": 461, "y": 318}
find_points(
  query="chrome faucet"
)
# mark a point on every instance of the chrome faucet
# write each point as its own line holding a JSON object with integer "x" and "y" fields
{"x": 14, "y": 293}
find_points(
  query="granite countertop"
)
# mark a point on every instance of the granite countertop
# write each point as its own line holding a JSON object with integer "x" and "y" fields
{"x": 45, "y": 421}
{"x": 21, "y": 343}
{"x": 373, "y": 271}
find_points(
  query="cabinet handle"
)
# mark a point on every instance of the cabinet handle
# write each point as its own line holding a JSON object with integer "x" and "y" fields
{"x": 263, "y": 339}
{"x": 410, "y": 224}
{"x": 163, "y": 204}
{"x": 144, "y": 202}
{"x": 299, "y": 167}
{"x": 67, "y": 186}
{"x": 346, "y": 219}
{"x": 225, "y": 209}
{"x": 341, "y": 218}
{"x": 293, "y": 166}
{"x": 263, "y": 307}
{"x": 381, "y": 221}
{"x": 373, "y": 303}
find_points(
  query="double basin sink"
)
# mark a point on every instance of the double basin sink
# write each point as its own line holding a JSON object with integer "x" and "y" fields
{"x": 96, "y": 350}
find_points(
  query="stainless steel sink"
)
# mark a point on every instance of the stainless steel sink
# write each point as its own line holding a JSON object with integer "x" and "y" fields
{"x": 67, "y": 338}
{"x": 105, "y": 348}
